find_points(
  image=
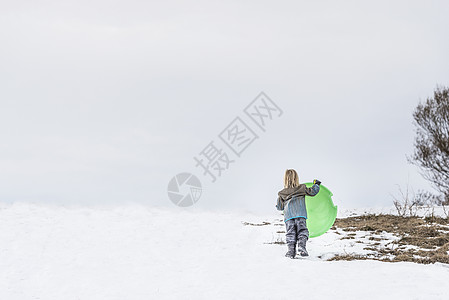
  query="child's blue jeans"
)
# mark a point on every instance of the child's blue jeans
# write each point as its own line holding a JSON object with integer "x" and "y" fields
{"x": 296, "y": 230}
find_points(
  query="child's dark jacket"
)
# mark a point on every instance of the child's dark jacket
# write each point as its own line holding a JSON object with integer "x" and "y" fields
{"x": 292, "y": 200}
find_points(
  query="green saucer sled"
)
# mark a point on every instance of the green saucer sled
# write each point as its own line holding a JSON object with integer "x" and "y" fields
{"x": 321, "y": 211}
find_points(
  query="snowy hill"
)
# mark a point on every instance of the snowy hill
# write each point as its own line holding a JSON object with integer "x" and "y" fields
{"x": 138, "y": 252}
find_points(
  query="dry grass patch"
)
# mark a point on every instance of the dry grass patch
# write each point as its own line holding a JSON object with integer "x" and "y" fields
{"x": 256, "y": 224}
{"x": 429, "y": 238}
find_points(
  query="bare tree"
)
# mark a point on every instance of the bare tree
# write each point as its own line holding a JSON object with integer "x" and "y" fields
{"x": 432, "y": 140}
{"x": 409, "y": 203}
{"x": 406, "y": 203}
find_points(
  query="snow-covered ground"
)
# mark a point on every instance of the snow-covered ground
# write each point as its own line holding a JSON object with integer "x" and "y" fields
{"x": 419, "y": 211}
{"x": 138, "y": 252}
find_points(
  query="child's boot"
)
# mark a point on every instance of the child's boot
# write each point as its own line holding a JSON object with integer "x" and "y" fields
{"x": 302, "y": 247}
{"x": 291, "y": 253}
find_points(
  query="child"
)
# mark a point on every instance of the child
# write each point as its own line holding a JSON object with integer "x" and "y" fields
{"x": 292, "y": 200}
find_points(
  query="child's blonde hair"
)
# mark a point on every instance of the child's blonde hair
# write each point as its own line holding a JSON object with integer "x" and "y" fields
{"x": 291, "y": 178}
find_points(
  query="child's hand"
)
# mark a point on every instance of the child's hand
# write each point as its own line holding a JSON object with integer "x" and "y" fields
{"x": 316, "y": 181}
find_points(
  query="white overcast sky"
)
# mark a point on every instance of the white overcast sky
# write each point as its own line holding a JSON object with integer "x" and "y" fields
{"x": 103, "y": 102}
